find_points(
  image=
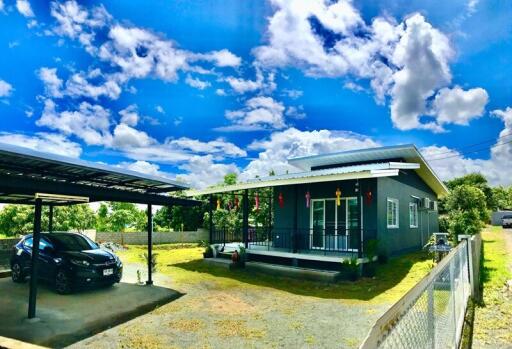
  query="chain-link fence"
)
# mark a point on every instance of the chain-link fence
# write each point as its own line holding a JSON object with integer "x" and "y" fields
{"x": 431, "y": 315}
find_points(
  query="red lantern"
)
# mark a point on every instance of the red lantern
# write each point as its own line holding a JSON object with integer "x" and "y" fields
{"x": 257, "y": 202}
{"x": 368, "y": 198}
{"x": 308, "y": 198}
{"x": 281, "y": 200}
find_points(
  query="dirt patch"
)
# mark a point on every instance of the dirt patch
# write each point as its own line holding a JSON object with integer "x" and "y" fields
{"x": 228, "y": 304}
{"x": 187, "y": 325}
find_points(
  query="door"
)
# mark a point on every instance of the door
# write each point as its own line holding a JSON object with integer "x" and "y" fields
{"x": 334, "y": 227}
{"x": 317, "y": 223}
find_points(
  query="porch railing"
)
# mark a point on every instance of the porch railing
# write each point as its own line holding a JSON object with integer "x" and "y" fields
{"x": 325, "y": 241}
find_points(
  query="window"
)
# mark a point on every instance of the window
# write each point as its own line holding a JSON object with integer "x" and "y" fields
{"x": 392, "y": 215}
{"x": 413, "y": 215}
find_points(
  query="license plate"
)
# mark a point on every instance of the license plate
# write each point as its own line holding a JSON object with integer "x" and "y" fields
{"x": 107, "y": 272}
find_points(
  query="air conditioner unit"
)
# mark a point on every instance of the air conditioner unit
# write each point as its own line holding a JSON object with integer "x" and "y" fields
{"x": 425, "y": 203}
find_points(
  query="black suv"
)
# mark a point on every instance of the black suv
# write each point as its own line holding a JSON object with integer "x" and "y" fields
{"x": 67, "y": 260}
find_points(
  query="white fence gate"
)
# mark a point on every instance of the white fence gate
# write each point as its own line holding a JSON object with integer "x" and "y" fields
{"x": 431, "y": 315}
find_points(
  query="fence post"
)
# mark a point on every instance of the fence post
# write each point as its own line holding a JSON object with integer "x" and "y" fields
{"x": 452, "y": 296}
{"x": 431, "y": 316}
{"x": 469, "y": 253}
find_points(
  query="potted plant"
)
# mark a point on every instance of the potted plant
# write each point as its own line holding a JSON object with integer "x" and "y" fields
{"x": 350, "y": 269}
{"x": 208, "y": 252}
{"x": 370, "y": 268}
{"x": 238, "y": 259}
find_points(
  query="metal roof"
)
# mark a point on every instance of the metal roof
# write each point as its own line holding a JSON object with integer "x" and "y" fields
{"x": 372, "y": 170}
{"x": 407, "y": 152}
{"x": 18, "y": 164}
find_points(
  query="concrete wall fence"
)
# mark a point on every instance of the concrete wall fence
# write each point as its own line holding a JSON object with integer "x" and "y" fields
{"x": 498, "y": 216}
{"x": 141, "y": 238}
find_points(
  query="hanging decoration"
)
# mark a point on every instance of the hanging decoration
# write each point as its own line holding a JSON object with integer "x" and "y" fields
{"x": 281, "y": 200}
{"x": 257, "y": 202}
{"x": 308, "y": 199}
{"x": 218, "y": 204}
{"x": 338, "y": 197}
{"x": 368, "y": 197}
{"x": 237, "y": 202}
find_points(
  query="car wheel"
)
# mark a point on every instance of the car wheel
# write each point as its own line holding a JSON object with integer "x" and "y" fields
{"x": 62, "y": 283}
{"x": 17, "y": 274}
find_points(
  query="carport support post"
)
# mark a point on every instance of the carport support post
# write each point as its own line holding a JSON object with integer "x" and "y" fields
{"x": 245, "y": 218}
{"x": 50, "y": 219}
{"x": 150, "y": 245}
{"x": 36, "y": 237}
{"x": 210, "y": 218}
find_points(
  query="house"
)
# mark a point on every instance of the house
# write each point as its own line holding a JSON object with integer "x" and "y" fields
{"x": 338, "y": 206}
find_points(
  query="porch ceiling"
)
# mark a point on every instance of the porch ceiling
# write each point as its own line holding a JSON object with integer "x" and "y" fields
{"x": 385, "y": 169}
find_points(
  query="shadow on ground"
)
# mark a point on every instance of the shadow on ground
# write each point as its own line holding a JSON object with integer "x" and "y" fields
{"x": 65, "y": 319}
{"x": 388, "y": 275}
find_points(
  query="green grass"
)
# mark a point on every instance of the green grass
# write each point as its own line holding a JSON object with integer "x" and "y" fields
{"x": 186, "y": 267}
{"x": 494, "y": 316}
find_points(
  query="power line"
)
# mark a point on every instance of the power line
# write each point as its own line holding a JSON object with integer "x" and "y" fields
{"x": 469, "y": 152}
{"x": 470, "y": 146}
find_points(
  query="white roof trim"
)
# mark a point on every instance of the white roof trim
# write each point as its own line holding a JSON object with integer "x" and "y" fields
{"x": 311, "y": 178}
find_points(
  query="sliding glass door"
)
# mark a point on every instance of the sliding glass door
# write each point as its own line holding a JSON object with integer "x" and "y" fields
{"x": 332, "y": 225}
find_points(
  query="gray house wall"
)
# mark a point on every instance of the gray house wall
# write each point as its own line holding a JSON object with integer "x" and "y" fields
{"x": 391, "y": 240}
{"x": 294, "y": 195}
{"x": 404, "y": 238}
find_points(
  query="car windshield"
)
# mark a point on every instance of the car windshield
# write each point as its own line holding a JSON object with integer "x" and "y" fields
{"x": 72, "y": 242}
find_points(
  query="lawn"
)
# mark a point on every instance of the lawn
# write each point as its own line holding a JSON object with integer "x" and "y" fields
{"x": 493, "y": 317}
{"x": 392, "y": 280}
{"x": 237, "y": 309}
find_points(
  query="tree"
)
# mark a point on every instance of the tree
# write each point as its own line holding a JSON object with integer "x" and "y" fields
{"x": 467, "y": 209}
{"x": 502, "y": 197}
{"x": 74, "y": 217}
{"x": 475, "y": 180}
{"x": 16, "y": 219}
{"x": 230, "y": 179}
{"x": 120, "y": 216}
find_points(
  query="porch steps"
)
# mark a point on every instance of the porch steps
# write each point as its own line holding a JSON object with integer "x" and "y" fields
{"x": 280, "y": 270}
{"x": 293, "y": 272}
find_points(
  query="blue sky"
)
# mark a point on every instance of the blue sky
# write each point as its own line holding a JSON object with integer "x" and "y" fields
{"x": 199, "y": 89}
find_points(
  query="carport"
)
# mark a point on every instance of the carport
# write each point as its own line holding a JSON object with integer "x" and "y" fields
{"x": 34, "y": 178}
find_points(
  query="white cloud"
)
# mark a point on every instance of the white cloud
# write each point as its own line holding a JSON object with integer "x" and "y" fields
{"x": 292, "y": 142}
{"x": 1, "y": 5}
{"x": 450, "y": 163}
{"x": 5, "y": 88}
{"x": 45, "y": 142}
{"x": 78, "y": 23}
{"x": 222, "y": 58}
{"x": 218, "y": 146}
{"x": 422, "y": 56}
{"x": 262, "y": 83}
{"x": 127, "y": 138}
{"x": 259, "y": 113}
{"x": 90, "y": 122}
{"x": 407, "y": 61}
{"x": 24, "y": 8}
{"x": 293, "y": 94}
{"x": 458, "y": 106}
{"x": 52, "y": 83}
{"x": 204, "y": 172}
{"x": 144, "y": 167}
{"x": 130, "y": 115}
{"x": 160, "y": 109}
{"x": 78, "y": 85}
{"x": 197, "y": 83}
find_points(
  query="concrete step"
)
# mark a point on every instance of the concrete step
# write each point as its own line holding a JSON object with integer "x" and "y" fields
{"x": 293, "y": 272}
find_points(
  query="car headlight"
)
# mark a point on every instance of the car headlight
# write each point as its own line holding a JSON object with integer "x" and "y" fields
{"x": 80, "y": 263}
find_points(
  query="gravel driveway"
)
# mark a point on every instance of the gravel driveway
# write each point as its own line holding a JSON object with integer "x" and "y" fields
{"x": 213, "y": 315}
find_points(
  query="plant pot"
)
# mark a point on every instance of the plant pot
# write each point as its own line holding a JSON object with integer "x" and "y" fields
{"x": 237, "y": 265}
{"x": 370, "y": 269}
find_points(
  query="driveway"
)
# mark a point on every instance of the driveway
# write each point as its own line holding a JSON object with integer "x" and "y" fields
{"x": 219, "y": 311}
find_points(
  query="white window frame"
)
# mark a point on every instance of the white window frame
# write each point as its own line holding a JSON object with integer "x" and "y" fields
{"x": 413, "y": 205}
{"x": 397, "y": 214}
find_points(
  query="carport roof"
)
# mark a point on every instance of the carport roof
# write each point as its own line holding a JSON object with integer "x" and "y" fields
{"x": 25, "y": 172}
